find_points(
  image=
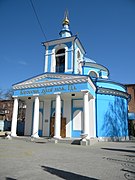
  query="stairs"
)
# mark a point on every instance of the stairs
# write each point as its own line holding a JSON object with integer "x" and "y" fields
{"x": 42, "y": 140}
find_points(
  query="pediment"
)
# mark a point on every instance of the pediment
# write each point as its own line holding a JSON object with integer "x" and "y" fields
{"x": 50, "y": 79}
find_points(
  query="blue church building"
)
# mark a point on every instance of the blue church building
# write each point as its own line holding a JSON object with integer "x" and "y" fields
{"x": 73, "y": 96}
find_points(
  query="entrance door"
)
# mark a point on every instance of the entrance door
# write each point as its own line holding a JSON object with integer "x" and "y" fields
{"x": 63, "y": 127}
{"x": 52, "y": 122}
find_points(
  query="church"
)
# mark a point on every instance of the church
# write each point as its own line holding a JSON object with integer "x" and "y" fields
{"x": 73, "y": 96}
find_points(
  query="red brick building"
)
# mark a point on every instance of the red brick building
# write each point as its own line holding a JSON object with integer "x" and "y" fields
{"x": 6, "y": 109}
{"x": 131, "y": 108}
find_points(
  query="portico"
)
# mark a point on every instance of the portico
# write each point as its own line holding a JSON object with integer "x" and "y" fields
{"x": 57, "y": 102}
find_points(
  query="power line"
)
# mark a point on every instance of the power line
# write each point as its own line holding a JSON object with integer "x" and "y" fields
{"x": 38, "y": 19}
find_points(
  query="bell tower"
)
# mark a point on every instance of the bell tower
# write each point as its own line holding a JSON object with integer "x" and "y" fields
{"x": 65, "y": 54}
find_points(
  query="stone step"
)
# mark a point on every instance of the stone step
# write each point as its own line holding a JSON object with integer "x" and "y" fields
{"x": 73, "y": 141}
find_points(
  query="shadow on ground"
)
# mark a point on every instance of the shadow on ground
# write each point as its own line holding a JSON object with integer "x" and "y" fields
{"x": 122, "y": 150}
{"x": 65, "y": 174}
{"x": 127, "y": 163}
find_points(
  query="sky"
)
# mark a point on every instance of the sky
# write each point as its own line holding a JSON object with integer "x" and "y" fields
{"x": 106, "y": 28}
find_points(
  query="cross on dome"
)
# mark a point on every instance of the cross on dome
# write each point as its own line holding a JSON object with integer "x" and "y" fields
{"x": 66, "y": 20}
{"x": 65, "y": 32}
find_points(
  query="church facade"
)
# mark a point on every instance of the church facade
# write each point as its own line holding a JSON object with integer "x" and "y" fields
{"x": 73, "y": 96}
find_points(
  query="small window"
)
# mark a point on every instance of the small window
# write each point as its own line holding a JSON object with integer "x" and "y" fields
{"x": 78, "y": 55}
{"x": 93, "y": 74}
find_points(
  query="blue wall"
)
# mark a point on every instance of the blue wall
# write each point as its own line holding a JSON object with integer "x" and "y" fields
{"x": 111, "y": 116}
{"x": 86, "y": 70}
{"x": 111, "y": 85}
{"x": 75, "y": 133}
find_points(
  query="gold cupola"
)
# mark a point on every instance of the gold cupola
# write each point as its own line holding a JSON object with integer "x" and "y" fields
{"x": 66, "y": 21}
{"x": 65, "y": 32}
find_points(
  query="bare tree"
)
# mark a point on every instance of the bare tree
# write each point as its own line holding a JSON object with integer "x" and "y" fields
{"x": 1, "y": 94}
{"x": 8, "y": 94}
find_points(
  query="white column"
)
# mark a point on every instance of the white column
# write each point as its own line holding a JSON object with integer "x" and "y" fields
{"x": 36, "y": 118}
{"x": 14, "y": 118}
{"x": 57, "y": 127}
{"x": 46, "y": 60}
{"x": 66, "y": 59}
{"x": 86, "y": 113}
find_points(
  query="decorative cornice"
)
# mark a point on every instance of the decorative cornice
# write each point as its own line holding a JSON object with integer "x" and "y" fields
{"x": 56, "y": 82}
{"x": 43, "y": 76}
{"x": 59, "y": 41}
{"x": 113, "y": 92}
{"x": 49, "y": 54}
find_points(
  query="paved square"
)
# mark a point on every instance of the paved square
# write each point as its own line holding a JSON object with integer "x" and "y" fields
{"x": 25, "y": 160}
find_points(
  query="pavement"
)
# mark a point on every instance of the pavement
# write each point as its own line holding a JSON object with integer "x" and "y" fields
{"x": 28, "y": 160}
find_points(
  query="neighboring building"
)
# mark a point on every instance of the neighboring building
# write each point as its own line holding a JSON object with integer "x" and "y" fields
{"x": 6, "y": 109}
{"x": 131, "y": 109}
{"x": 131, "y": 91}
{"x": 73, "y": 96}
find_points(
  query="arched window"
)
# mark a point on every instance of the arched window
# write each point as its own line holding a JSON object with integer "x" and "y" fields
{"x": 93, "y": 74}
{"x": 60, "y": 61}
{"x": 53, "y": 114}
{"x": 78, "y": 55}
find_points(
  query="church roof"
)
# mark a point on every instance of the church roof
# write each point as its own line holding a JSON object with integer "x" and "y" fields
{"x": 89, "y": 60}
{"x": 53, "y": 79}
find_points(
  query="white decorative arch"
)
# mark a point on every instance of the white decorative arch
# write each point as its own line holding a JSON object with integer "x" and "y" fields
{"x": 53, "y": 114}
{"x": 54, "y": 50}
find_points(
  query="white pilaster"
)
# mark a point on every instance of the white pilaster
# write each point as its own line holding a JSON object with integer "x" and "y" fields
{"x": 46, "y": 60}
{"x": 36, "y": 118}
{"x": 14, "y": 118}
{"x": 92, "y": 118}
{"x": 53, "y": 62}
{"x": 67, "y": 114}
{"x": 86, "y": 114}
{"x": 57, "y": 127}
{"x": 66, "y": 59}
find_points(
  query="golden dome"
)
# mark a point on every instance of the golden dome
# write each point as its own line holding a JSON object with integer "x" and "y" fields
{"x": 66, "y": 20}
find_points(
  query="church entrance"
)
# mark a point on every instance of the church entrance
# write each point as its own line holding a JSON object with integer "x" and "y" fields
{"x": 63, "y": 127}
